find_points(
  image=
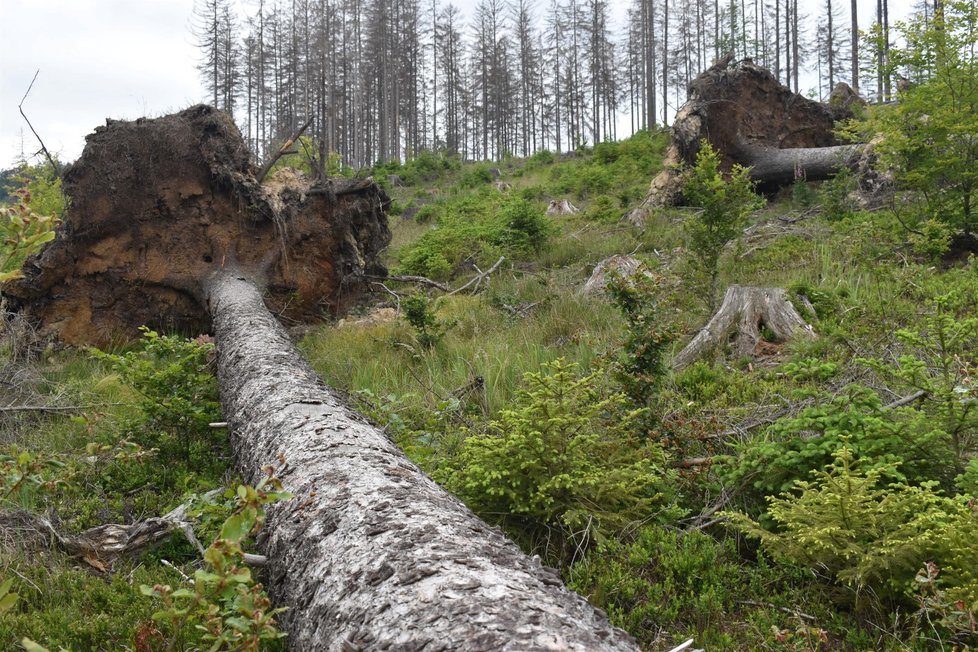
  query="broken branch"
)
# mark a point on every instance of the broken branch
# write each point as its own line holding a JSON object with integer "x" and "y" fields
{"x": 20, "y": 107}
{"x": 283, "y": 150}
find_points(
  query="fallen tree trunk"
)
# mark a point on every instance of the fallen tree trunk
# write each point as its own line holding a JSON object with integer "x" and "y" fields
{"x": 742, "y": 314}
{"x": 371, "y": 554}
{"x": 774, "y": 166}
{"x": 168, "y": 226}
{"x": 751, "y": 119}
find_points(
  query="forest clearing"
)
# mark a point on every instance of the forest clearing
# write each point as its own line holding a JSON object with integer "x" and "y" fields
{"x": 708, "y": 387}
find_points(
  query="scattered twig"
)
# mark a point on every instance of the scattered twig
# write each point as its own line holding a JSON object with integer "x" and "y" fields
{"x": 55, "y": 408}
{"x": 395, "y": 295}
{"x": 481, "y": 277}
{"x": 906, "y": 400}
{"x": 420, "y": 280}
{"x": 691, "y": 462}
{"x": 792, "y": 612}
{"x": 20, "y": 107}
{"x": 281, "y": 152}
{"x": 186, "y": 578}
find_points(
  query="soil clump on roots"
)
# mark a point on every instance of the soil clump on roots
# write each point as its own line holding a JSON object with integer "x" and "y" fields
{"x": 157, "y": 205}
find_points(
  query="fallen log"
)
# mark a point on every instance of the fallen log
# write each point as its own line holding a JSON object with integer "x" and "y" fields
{"x": 742, "y": 314}
{"x": 370, "y": 554}
{"x": 751, "y": 119}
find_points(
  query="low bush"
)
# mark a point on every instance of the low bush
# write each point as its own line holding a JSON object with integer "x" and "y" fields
{"x": 562, "y": 468}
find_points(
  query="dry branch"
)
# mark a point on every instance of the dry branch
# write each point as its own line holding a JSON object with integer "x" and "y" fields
{"x": 283, "y": 150}
{"x": 101, "y": 546}
{"x": 20, "y": 107}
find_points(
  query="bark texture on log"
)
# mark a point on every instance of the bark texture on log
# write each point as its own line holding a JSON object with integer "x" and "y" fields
{"x": 749, "y": 117}
{"x": 371, "y": 554}
{"x": 741, "y": 315}
{"x": 155, "y": 205}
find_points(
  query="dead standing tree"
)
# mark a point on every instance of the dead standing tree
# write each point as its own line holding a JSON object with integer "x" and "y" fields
{"x": 167, "y": 225}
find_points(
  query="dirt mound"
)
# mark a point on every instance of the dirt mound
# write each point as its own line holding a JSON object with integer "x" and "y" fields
{"x": 157, "y": 205}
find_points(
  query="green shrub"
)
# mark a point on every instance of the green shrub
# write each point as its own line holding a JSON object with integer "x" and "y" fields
{"x": 177, "y": 396}
{"x": 562, "y": 467}
{"x": 723, "y": 206}
{"x": 640, "y": 367}
{"x": 420, "y": 314}
{"x": 904, "y": 443}
{"x": 22, "y": 232}
{"x": 869, "y": 535}
{"x": 665, "y": 580}
{"x": 477, "y": 229}
{"x": 834, "y": 195}
{"x": 475, "y": 176}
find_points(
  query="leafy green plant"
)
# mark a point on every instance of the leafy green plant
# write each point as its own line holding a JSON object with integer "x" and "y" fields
{"x": 226, "y": 603}
{"x": 562, "y": 467}
{"x": 640, "y": 366}
{"x": 22, "y": 232}
{"x": 798, "y": 445}
{"x": 419, "y": 312}
{"x": 722, "y": 210}
{"x": 178, "y": 394}
{"x": 478, "y": 229}
{"x": 23, "y": 472}
{"x": 951, "y": 621}
{"x": 851, "y": 525}
{"x": 834, "y": 195}
{"x": 940, "y": 361}
{"x": 929, "y": 141}
{"x": 8, "y": 599}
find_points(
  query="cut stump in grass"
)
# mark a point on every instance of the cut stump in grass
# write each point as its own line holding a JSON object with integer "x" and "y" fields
{"x": 739, "y": 322}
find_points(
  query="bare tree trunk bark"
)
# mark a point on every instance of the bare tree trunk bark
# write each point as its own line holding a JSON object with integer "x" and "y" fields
{"x": 371, "y": 554}
{"x": 744, "y": 311}
{"x": 782, "y": 166}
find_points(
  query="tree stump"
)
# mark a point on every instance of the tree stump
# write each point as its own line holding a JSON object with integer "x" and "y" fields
{"x": 739, "y": 320}
{"x": 560, "y": 207}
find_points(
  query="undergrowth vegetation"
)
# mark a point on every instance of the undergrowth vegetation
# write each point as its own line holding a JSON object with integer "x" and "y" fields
{"x": 819, "y": 494}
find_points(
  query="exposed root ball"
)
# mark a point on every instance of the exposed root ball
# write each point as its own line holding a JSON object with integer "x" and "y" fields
{"x": 156, "y": 205}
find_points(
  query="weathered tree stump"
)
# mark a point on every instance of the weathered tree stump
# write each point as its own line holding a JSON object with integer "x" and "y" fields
{"x": 742, "y": 314}
{"x": 560, "y": 207}
{"x": 751, "y": 119}
{"x": 623, "y": 267}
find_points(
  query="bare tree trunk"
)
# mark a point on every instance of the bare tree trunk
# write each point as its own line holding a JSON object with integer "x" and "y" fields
{"x": 743, "y": 312}
{"x": 771, "y": 165}
{"x": 371, "y": 554}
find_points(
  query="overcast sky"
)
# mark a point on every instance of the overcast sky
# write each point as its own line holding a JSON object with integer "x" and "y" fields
{"x": 120, "y": 59}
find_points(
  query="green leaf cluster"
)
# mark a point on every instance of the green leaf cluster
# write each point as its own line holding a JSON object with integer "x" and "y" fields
{"x": 22, "y": 232}
{"x": 869, "y": 534}
{"x": 177, "y": 394}
{"x": 723, "y": 206}
{"x": 477, "y": 229}
{"x": 231, "y": 610}
{"x": 930, "y": 136}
